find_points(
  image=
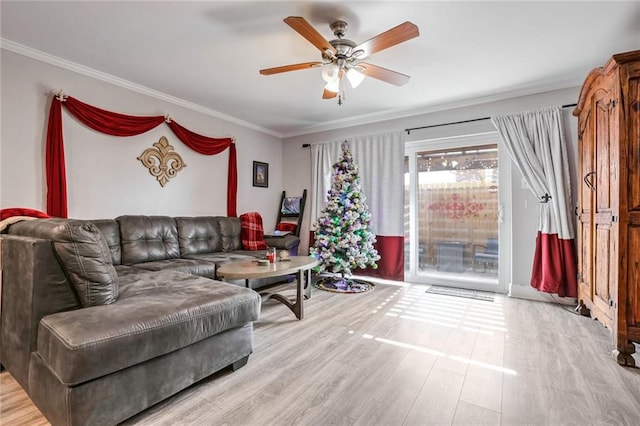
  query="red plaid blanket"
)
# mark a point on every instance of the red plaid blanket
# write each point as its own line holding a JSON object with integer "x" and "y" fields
{"x": 252, "y": 233}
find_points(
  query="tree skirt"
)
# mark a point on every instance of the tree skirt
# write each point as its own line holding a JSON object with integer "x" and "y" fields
{"x": 343, "y": 285}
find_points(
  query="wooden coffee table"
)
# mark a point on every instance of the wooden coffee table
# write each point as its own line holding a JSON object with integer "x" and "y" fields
{"x": 250, "y": 269}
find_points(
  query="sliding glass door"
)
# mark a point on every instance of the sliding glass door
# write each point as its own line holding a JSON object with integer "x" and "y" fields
{"x": 453, "y": 212}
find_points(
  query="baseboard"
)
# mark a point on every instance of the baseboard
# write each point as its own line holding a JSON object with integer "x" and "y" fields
{"x": 530, "y": 293}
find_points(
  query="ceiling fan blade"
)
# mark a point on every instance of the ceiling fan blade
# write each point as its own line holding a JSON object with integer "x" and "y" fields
{"x": 305, "y": 29}
{"x": 389, "y": 38}
{"x": 293, "y": 67}
{"x": 383, "y": 74}
{"x": 327, "y": 94}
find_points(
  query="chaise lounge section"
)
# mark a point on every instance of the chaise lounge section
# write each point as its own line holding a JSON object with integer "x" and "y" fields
{"x": 102, "y": 319}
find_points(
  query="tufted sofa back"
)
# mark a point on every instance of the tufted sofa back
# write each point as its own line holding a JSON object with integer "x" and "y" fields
{"x": 148, "y": 238}
{"x": 230, "y": 228}
{"x": 199, "y": 234}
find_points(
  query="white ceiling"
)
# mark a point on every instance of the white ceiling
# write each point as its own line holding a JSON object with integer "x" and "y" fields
{"x": 209, "y": 53}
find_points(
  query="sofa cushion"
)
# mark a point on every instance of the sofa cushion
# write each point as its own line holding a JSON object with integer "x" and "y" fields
{"x": 85, "y": 257}
{"x": 156, "y": 313}
{"x": 252, "y": 233}
{"x": 230, "y": 231}
{"x": 148, "y": 238}
{"x": 199, "y": 235}
{"x": 111, "y": 232}
{"x": 201, "y": 268}
{"x": 288, "y": 242}
{"x": 124, "y": 270}
{"x": 83, "y": 253}
{"x": 221, "y": 258}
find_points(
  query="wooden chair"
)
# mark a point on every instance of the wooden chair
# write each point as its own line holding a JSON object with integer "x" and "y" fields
{"x": 291, "y": 212}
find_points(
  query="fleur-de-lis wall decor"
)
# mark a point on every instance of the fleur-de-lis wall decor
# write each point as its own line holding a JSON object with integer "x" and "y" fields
{"x": 162, "y": 161}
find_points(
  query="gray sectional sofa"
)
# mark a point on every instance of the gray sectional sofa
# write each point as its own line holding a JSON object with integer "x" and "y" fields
{"x": 102, "y": 319}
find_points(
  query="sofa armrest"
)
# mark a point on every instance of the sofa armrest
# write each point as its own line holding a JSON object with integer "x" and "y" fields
{"x": 289, "y": 242}
{"x": 33, "y": 286}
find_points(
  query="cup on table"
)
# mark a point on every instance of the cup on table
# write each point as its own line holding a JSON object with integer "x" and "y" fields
{"x": 271, "y": 254}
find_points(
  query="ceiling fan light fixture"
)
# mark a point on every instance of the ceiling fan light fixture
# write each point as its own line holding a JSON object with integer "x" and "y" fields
{"x": 330, "y": 72}
{"x": 341, "y": 57}
{"x": 333, "y": 86}
{"x": 355, "y": 77}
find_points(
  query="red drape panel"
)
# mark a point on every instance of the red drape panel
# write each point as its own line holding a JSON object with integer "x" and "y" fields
{"x": 554, "y": 266}
{"x": 202, "y": 144}
{"x": 211, "y": 146}
{"x": 109, "y": 122}
{"x": 391, "y": 263}
{"x": 232, "y": 182}
{"x": 116, "y": 124}
{"x": 56, "y": 172}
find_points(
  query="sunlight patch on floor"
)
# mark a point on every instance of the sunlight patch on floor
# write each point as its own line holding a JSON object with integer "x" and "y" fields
{"x": 430, "y": 351}
{"x": 477, "y": 316}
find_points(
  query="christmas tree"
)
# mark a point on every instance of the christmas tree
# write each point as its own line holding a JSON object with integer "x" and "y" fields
{"x": 343, "y": 239}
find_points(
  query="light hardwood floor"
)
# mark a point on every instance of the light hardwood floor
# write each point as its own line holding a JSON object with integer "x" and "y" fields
{"x": 400, "y": 356}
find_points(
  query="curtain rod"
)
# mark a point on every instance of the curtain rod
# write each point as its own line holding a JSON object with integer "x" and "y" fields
{"x": 463, "y": 121}
{"x": 307, "y": 145}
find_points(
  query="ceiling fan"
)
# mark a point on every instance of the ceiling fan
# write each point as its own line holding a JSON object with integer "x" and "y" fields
{"x": 342, "y": 57}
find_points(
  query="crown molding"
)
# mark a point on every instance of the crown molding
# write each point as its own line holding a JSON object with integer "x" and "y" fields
{"x": 316, "y": 128}
{"x": 126, "y": 84}
{"x": 412, "y": 112}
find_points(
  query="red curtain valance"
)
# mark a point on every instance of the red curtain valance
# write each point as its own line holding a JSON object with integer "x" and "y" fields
{"x": 116, "y": 124}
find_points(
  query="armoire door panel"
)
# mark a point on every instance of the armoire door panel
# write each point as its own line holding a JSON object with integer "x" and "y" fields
{"x": 602, "y": 214}
{"x": 633, "y": 135}
{"x": 585, "y": 207}
{"x": 633, "y": 277}
{"x": 585, "y": 259}
{"x": 602, "y": 292}
{"x": 602, "y": 151}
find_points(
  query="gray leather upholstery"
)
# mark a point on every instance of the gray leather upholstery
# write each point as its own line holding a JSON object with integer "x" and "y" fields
{"x": 33, "y": 286}
{"x": 220, "y": 259}
{"x": 84, "y": 256}
{"x": 199, "y": 235}
{"x": 189, "y": 266}
{"x": 167, "y": 329}
{"x": 45, "y": 229}
{"x": 111, "y": 232}
{"x": 230, "y": 228}
{"x": 148, "y": 238}
{"x": 113, "y": 398}
{"x": 148, "y": 320}
{"x": 288, "y": 242}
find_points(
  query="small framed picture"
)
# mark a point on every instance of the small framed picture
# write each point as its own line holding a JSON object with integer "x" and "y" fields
{"x": 260, "y": 174}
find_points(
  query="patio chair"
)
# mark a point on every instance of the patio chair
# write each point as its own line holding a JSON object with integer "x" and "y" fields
{"x": 487, "y": 255}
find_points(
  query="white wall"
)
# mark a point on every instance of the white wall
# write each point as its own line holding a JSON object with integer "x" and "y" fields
{"x": 524, "y": 206}
{"x": 103, "y": 175}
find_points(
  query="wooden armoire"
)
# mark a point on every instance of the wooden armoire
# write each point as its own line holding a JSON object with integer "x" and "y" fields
{"x": 608, "y": 236}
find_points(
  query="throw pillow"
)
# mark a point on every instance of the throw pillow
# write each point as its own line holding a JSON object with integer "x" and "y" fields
{"x": 252, "y": 233}
{"x": 286, "y": 227}
{"x": 291, "y": 205}
{"x": 86, "y": 259}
